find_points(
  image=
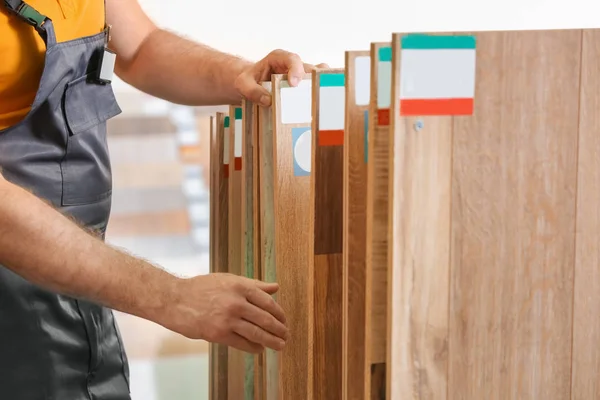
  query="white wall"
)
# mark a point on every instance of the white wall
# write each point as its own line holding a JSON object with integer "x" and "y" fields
{"x": 321, "y": 30}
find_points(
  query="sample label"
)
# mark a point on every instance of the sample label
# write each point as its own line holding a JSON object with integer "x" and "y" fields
{"x": 437, "y": 75}
{"x": 226, "y": 146}
{"x": 237, "y": 139}
{"x": 362, "y": 80}
{"x": 296, "y": 102}
{"x": 332, "y": 104}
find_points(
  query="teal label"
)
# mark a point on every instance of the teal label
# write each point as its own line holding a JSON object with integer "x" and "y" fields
{"x": 421, "y": 42}
{"x": 385, "y": 54}
{"x": 332, "y": 80}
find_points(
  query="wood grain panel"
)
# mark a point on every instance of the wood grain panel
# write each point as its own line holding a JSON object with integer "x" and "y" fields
{"x": 267, "y": 231}
{"x": 212, "y": 193}
{"x": 220, "y": 237}
{"x": 214, "y": 163}
{"x": 419, "y": 250}
{"x": 328, "y": 198}
{"x": 260, "y": 359}
{"x": 326, "y": 347}
{"x": 247, "y": 225}
{"x": 586, "y": 324}
{"x": 325, "y": 268}
{"x": 354, "y": 238}
{"x": 377, "y": 382}
{"x": 291, "y": 205}
{"x": 236, "y": 366}
{"x": 377, "y": 230}
{"x": 513, "y": 220}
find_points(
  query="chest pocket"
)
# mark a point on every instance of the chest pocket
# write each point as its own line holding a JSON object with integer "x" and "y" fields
{"x": 86, "y": 166}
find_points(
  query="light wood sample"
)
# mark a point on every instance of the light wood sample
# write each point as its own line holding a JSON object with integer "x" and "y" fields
{"x": 214, "y": 165}
{"x": 236, "y": 366}
{"x": 419, "y": 249}
{"x": 355, "y": 223}
{"x": 247, "y": 226}
{"x": 291, "y": 204}
{"x": 219, "y": 237}
{"x": 586, "y": 324}
{"x": 513, "y": 219}
{"x": 377, "y": 220}
{"x": 268, "y": 271}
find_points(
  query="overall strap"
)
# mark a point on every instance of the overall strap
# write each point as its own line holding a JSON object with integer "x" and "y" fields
{"x": 107, "y": 27}
{"x": 28, "y": 14}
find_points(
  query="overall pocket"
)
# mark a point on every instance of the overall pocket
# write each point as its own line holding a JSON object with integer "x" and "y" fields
{"x": 86, "y": 169}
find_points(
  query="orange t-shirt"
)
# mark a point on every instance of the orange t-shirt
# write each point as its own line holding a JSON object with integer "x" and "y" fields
{"x": 22, "y": 49}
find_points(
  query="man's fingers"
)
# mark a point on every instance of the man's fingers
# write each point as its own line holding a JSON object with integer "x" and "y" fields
{"x": 248, "y": 87}
{"x": 309, "y": 67}
{"x": 265, "y": 321}
{"x": 295, "y": 68}
{"x": 265, "y": 302}
{"x": 278, "y": 62}
{"x": 270, "y": 288}
{"x": 243, "y": 344}
{"x": 284, "y": 62}
{"x": 256, "y": 335}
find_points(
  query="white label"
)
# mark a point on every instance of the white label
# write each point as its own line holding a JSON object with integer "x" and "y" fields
{"x": 296, "y": 102}
{"x": 384, "y": 84}
{"x": 362, "y": 80}
{"x": 237, "y": 144}
{"x": 331, "y": 107}
{"x": 108, "y": 66}
{"x": 437, "y": 74}
{"x": 226, "y": 147}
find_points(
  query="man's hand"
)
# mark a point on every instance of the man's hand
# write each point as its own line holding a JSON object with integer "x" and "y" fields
{"x": 276, "y": 62}
{"x": 200, "y": 75}
{"x": 227, "y": 309}
{"x": 49, "y": 250}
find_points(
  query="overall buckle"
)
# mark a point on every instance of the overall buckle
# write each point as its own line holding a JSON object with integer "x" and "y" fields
{"x": 27, "y": 13}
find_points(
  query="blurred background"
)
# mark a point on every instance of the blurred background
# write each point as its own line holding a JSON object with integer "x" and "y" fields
{"x": 160, "y": 150}
{"x": 160, "y": 212}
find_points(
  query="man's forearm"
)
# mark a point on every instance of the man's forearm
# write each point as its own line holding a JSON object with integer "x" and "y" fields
{"x": 181, "y": 71}
{"x": 49, "y": 250}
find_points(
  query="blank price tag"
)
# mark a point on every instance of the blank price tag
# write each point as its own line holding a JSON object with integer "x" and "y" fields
{"x": 107, "y": 66}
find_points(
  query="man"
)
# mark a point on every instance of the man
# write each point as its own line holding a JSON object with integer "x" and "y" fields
{"x": 58, "y": 280}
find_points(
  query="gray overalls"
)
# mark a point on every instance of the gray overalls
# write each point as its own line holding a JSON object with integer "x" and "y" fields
{"x": 54, "y": 347}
